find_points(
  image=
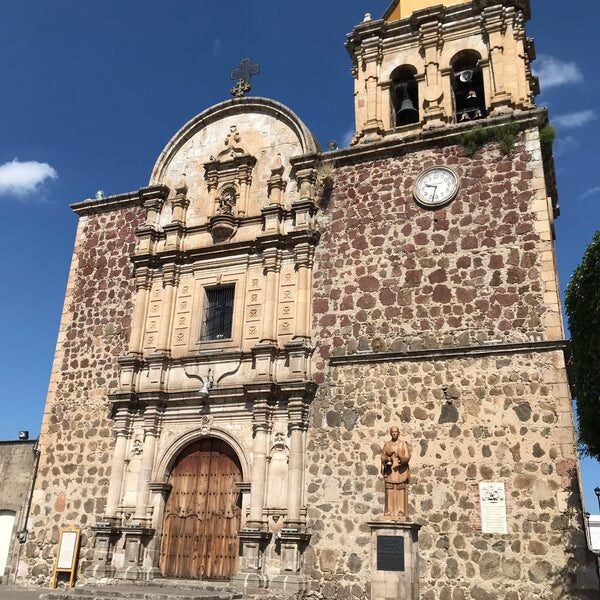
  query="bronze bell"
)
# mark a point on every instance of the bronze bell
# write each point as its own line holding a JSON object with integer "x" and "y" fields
{"x": 472, "y": 100}
{"x": 407, "y": 113}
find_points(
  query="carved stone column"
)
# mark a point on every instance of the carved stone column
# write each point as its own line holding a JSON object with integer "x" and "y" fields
{"x": 276, "y": 183}
{"x": 118, "y": 463}
{"x": 244, "y": 174}
{"x": 254, "y": 537}
{"x": 142, "y": 284}
{"x": 152, "y": 417}
{"x": 293, "y": 535}
{"x": 297, "y": 414}
{"x": 107, "y": 530}
{"x": 170, "y": 280}
{"x": 262, "y": 427}
{"x": 212, "y": 183}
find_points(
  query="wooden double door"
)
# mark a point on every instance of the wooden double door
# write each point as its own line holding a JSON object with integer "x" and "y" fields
{"x": 202, "y": 513}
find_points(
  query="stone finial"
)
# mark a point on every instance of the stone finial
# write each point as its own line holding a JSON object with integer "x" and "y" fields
{"x": 276, "y": 183}
{"x": 181, "y": 187}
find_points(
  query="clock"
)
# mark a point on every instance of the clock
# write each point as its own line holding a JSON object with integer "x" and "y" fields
{"x": 436, "y": 186}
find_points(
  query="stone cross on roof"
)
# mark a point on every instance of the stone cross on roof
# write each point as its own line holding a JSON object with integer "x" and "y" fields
{"x": 242, "y": 74}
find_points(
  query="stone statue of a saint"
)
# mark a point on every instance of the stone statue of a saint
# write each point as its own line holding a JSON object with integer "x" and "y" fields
{"x": 394, "y": 468}
{"x": 227, "y": 202}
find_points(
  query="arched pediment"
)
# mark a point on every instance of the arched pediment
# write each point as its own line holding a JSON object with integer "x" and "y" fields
{"x": 261, "y": 124}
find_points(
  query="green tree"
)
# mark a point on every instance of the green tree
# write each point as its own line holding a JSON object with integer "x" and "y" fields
{"x": 583, "y": 310}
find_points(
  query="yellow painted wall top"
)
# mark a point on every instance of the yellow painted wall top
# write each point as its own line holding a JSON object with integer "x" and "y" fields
{"x": 401, "y": 9}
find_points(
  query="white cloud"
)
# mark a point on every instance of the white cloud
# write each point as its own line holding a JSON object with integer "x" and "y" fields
{"x": 565, "y": 144}
{"x": 217, "y": 47}
{"x": 591, "y": 192}
{"x": 347, "y": 138}
{"x": 575, "y": 119}
{"x": 554, "y": 72}
{"x": 24, "y": 178}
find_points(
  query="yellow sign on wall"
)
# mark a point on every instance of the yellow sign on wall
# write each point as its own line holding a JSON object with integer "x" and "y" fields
{"x": 67, "y": 555}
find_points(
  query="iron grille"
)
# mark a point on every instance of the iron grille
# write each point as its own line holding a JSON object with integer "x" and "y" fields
{"x": 218, "y": 313}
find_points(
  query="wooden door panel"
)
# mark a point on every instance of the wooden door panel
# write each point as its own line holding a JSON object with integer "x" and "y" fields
{"x": 202, "y": 514}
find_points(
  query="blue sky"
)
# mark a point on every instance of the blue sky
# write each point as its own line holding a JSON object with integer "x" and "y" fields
{"x": 93, "y": 89}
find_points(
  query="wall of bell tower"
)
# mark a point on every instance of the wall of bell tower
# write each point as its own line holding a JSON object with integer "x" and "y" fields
{"x": 473, "y": 55}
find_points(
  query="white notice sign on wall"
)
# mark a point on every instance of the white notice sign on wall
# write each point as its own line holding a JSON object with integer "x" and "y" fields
{"x": 493, "y": 507}
{"x": 67, "y": 549}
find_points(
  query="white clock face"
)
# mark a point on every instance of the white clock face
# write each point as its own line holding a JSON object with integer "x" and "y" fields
{"x": 436, "y": 186}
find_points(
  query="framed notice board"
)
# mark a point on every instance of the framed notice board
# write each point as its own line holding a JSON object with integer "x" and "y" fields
{"x": 67, "y": 555}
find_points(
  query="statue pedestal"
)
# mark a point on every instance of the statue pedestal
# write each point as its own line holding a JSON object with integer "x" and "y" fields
{"x": 395, "y": 560}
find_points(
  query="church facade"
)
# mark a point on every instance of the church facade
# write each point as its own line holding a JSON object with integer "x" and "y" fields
{"x": 240, "y": 336}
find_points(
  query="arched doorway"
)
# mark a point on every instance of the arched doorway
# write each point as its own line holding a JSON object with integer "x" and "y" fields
{"x": 202, "y": 513}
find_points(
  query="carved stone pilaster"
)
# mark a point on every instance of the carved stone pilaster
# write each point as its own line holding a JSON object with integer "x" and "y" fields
{"x": 106, "y": 534}
{"x": 136, "y": 539}
{"x": 306, "y": 180}
{"x": 431, "y": 85}
{"x": 494, "y": 24}
{"x": 171, "y": 272}
{"x": 142, "y": 287}
{"x": 273, "y": 218}
{"x": 271, "y": 268}
{"x": 370, "y": 58}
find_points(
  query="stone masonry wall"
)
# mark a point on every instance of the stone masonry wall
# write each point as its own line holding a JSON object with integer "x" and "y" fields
{"x": 503, "y": 418}
{"x": 76, "y": 439}
{"x": 390, "y": 272}
{"x": 391, "y": 276}
{"x": 17, "y": 467}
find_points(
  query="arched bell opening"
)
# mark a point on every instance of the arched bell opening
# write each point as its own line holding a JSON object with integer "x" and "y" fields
{"x": 405, "y": 96}
{"x": 468, "y": 88}
{"x": 202, "y": 514}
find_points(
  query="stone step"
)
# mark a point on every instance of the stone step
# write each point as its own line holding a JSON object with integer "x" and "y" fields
{"x": 144, "y": 591}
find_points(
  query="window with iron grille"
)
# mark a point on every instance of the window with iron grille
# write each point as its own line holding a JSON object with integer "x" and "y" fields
{"x": 218, "y": 313}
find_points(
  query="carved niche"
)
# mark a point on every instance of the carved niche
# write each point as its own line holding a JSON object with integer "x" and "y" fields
{"x": 228, "y": 178}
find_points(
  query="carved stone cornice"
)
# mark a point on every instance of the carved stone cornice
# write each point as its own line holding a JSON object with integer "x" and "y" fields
{"x": 304, "y": 254}
{"x": 153, "y": 414}
{"x": 118, "y": 201}
{"x": 434, "y": 138}
{"x": 271, "y": 256}
{"x": 454, "y": 353}
{"x": 121, "y": 417}
{"x": 171, "y": 272}
{"x": 142, "y": 278}
{"x": 306, "y": 180}
{"x": 261, "y": 390}
{"x": 262, "y": 414}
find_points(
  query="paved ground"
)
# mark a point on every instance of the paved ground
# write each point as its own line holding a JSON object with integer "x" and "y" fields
{"x": 7, "y": 593}
{"x": 156, "y": 590}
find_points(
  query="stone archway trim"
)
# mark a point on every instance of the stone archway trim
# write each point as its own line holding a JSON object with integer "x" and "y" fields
{"x": 178, "y": 445}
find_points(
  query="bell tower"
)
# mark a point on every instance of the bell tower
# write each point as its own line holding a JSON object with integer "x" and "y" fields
{"x": 427, "y": 64}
